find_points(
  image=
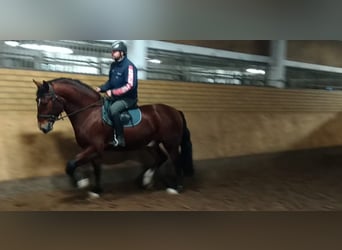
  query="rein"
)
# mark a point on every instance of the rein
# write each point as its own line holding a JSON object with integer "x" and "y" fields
{"x": 61, "y": 117}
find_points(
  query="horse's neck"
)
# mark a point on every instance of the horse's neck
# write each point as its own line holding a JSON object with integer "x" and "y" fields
{"x": 74, "y": 99}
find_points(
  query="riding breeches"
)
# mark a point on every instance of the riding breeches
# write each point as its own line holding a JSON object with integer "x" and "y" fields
{"x": 120, "y": 105}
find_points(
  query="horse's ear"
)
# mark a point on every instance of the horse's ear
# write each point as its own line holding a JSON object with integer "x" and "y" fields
{"x": 38, "y": 84}
{"x": 45, "y": 85}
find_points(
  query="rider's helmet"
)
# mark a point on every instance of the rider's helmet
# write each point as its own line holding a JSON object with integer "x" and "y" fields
{"x": 119, "y": 46}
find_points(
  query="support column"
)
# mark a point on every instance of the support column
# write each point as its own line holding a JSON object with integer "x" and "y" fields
{"x": 137, "y": 53}
{"x": 277, "y": 74}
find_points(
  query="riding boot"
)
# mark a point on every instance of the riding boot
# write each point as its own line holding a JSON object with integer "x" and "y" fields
{"x": 119, "y": 131}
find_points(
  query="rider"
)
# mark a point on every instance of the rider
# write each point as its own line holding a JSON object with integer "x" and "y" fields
{"x": 121, "y": 88}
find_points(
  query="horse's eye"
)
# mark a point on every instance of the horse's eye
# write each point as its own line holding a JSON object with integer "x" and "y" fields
{"x": 42, "y": 101}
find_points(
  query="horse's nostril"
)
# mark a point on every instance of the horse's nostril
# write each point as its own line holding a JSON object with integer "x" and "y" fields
{"x": 45, "y": 130}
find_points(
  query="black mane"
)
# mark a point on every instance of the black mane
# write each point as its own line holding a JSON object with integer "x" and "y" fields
{"x": 70, "y": 81}
{"x": 74, "y": 82}
{"x": 44, "y": 89}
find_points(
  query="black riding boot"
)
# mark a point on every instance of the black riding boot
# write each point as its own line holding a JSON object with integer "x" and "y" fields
{"x": 119, "y": 131}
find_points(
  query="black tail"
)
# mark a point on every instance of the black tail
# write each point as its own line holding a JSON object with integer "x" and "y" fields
{"x": 186, "y": 150}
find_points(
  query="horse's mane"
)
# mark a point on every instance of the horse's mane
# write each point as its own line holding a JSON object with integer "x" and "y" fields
{"x": 73, "y": 82}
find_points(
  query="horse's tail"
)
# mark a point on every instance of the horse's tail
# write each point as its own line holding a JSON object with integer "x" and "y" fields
{"x": 186, "y": 159}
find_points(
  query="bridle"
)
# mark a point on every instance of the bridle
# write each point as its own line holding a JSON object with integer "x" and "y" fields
{"x": 54, "y": 118}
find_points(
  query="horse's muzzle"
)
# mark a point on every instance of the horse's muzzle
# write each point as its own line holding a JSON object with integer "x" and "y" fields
{"x": 46, "y": 127}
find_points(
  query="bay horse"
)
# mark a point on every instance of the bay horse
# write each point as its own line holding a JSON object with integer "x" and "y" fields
{"x": 161, "y": 126}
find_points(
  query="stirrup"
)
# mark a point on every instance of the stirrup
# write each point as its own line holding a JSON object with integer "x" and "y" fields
{"x": 115, "y": 141}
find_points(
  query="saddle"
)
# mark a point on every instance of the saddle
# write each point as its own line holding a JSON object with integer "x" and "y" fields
{"x": 129, "y": 118}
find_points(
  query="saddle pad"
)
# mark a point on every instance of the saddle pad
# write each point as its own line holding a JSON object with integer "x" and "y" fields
{"x": 129, "y": 118}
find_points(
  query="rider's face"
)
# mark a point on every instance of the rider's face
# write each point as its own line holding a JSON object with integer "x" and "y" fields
{"x": 116, "y": 54}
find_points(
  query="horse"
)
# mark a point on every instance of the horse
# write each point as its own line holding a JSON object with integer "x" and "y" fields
{"x": 162, "y": 128}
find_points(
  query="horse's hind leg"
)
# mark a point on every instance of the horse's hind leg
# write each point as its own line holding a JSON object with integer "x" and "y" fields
{"x": 177, "y": 186}
{"x": 147, "y": 179}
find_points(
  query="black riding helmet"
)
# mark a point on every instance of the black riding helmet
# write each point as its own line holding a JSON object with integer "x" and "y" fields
{"x": 119, "y": 46}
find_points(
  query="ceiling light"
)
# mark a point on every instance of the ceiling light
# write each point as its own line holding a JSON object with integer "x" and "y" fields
{"x": 46, "y": 48}
{"x": 256, "y": 71}
{"x": 155, "y": 61}
{"x": 12, "y": 43}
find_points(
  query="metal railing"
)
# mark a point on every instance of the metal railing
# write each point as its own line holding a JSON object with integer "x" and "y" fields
{"x": 94, "y": 57}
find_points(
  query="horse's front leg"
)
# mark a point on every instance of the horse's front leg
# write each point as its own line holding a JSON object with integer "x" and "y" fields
{"x": 82, "y": 158}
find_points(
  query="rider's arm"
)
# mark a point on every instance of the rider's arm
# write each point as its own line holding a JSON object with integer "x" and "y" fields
{"x": 130, "y": 81}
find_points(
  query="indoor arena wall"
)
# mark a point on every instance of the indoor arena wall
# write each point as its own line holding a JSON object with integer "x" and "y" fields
{"x": 224, "y": 121}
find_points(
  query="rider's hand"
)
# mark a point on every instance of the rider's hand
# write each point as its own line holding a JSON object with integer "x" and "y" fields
{"x": 109, "y": 93}
{"x": 97, "y": 89}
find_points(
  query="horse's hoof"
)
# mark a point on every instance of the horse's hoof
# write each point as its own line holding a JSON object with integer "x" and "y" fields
{"x": 92, "y": 195}
{"x": 172, "y": 191}
{"x": 84, "y": 183}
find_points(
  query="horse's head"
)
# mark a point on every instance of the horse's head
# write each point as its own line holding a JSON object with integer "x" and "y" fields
{"x": 49, "y": 106}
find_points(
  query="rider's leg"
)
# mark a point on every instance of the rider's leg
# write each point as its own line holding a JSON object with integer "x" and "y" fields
{"x": 116, "y": 108}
